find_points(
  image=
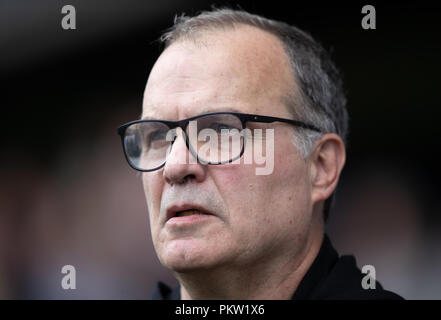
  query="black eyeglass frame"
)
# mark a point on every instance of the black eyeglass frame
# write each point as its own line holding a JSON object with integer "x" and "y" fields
{"x": 173, "y": 124}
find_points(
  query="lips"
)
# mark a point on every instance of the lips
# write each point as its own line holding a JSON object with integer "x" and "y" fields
{"x": 186, "y": 210}
{"x": 187, "y": 213}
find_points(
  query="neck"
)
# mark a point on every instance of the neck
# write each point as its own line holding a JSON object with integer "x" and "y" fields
{"x": 274, "y": 278}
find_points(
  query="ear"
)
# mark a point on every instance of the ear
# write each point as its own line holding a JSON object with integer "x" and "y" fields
{"x": 326, "y": 163}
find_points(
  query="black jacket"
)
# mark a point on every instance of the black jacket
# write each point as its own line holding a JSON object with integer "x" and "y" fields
{"x": 330, "y": 277}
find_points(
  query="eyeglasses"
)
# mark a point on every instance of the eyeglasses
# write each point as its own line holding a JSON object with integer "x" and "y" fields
{"x": 147, "y": 143}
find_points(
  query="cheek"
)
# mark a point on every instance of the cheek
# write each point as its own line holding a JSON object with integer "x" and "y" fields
{"x": 241, "y": 184}
{"x": 236, "y": 184}
{"x": 247, "y": 199}
{"x": 260, "y": 204}
{"x": 152, "y": 183}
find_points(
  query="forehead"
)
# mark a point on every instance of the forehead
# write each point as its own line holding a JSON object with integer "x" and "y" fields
{"x": 245, "y": 69}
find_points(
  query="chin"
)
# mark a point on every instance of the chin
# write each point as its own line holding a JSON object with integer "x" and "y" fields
{"x": 185, "y": 256}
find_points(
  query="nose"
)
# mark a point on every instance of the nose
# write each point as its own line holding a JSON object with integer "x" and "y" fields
{"x": 181, "y": 166}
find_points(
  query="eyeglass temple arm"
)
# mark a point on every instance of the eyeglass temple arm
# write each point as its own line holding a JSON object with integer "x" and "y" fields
{"x": 267, "y": 119}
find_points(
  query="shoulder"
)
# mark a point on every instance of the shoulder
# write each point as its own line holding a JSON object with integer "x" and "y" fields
{"x": 164, "y": 292}
{"x": 344, "y": 282}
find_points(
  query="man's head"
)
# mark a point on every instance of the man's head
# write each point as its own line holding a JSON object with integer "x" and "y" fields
{"x": 230, "y": 60}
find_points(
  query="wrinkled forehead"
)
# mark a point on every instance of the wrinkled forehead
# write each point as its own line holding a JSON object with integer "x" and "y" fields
{"x": 244, "y": 69}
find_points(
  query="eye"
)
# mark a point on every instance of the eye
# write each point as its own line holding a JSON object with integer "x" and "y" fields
{"x": 218, "y": 127}
{"x": 156, "y": 135}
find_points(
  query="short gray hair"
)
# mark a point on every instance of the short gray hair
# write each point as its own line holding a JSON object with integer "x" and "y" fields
{"x": 322, "y": 101}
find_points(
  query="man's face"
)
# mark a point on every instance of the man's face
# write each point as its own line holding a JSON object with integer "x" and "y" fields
{"x": 252, "y": 217}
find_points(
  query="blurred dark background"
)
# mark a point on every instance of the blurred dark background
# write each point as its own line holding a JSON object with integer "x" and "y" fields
{"x": 68, "y": 197}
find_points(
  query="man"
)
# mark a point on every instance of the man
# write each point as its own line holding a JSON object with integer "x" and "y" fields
{"x": 225, "y": 231}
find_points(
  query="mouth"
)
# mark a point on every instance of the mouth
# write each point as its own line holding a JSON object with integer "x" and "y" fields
{"x": 190, "y": 212}
{"x": 187, "y": 211}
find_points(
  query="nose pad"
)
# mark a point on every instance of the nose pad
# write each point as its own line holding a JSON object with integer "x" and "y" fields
{"x": 180, "y": 166}
{"x": 176, "y": 143}
{"x": 172, "y": 136}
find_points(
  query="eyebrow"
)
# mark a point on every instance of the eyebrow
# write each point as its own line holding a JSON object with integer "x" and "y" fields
{"x": 228, "y": 109}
